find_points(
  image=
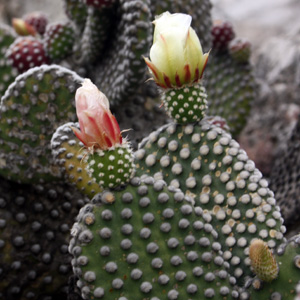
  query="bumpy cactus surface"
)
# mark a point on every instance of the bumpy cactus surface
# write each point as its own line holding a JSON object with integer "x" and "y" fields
{"x": 32, "y": 108}
{"x": 34, "y": 230}
{"x": 206, "y": 163}
{"x": 149, "y": 243}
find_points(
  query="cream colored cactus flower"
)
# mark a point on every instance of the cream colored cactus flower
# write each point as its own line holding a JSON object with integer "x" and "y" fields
{"x": 176, "y": 56}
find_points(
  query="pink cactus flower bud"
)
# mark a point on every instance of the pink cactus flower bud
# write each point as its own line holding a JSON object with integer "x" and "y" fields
{"x": 99, "y": 129}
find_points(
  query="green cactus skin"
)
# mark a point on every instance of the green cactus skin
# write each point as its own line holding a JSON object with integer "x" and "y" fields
{"x": 34, "y": 230}
{"x": 183, "y": 111}
{"x": 199, "y": 10}
{"x": 285, "y": 285}
{"x": 231, "y": 88}
{"x": 91, "y": 170}
{"x": 207, "y": 164}
{"x": 32, "y": 108}
{"x": 123, "y": 61}
{"x": 58, "y": 40}
{"x": 76, "y": 12}
{"x": 147, "y": 242}
{"x": 7, "y": 72}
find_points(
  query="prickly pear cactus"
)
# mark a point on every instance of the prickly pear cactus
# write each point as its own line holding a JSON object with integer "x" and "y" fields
{"x": 76, "y": 11}
{"x": 149, "y": 243}
{"x": 206, "y": 163}
{"x": 286, "y": 285}
{"x": 32, "y": 108}
{"x": 34, "y": 230}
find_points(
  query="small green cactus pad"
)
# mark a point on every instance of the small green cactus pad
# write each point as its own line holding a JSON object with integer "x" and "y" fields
{"x": 110, "y": 168}
{"x": 284, "y": 287}
{"x": 34, "y": 228}
{"x": 123, "y": 61}
{"x": 76, "y": 11}
{"x": 206, "y": 163}
{"x": 58, "y": 40}
{"x": 199, "y": 10}
{"x": 284, "y": 178}
{"x": 230, "y": 87}
{"x": 91, "y": 170}
{"x": 147, "y": 242}
{"x": 7, "y": 72}
{"x": 187, "y": 104}
{"x": 31, "y": 109}
{"x": 68, "y": 153}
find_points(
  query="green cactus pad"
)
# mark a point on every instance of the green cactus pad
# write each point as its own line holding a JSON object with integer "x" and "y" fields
{"x": 207, "y": 164}
{"x": 199, "y": 10}
{"x": 183, "y": 111}
{"x": 58, "y": 40}
{"x": 7, "y": 72}
{"x": 32, "y": 108}
{"x": 230, "y": 87}
{"x": 147, "y": 242}
{"x": 34, "y": 229}
{"x": 287, "y": 284}
{"x": 68, "y": 153}
{"x": 123, "y": 60}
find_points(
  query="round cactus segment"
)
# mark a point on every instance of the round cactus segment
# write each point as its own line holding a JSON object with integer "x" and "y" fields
{"x": 58, "y": 40}
{"x": 110, "y": 168}
{"x": 124, "y": 63}
{"x": 32, "y": 108}
{"x": 38, "y": 20}
{"x": 187, "y": 104}
{"x": 222, "y": 33}
{"x": 231, "y": 89}
{"x": 27, "y": 52}
{"x": 34, "y": 229}
{"x": 69, "y": 155}
{"x": 287, "y": 284}
{"x": 146, "y": 241}
{"x": 207, "y": 164}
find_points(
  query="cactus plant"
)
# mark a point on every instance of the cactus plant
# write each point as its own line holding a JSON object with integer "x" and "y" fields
{"x": 34, "y": 230}
{"x": 33, "y": 106}
{"x": 150, "y": 238}
{"x": 196, "y": 199}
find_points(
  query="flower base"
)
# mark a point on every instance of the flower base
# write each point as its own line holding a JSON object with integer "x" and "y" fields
{"x": 110, "y": 168}
{"x": 187, "y": 104}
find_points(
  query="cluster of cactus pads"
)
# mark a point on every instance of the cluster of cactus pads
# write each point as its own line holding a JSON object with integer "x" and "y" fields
{"x": 185, "y": 216}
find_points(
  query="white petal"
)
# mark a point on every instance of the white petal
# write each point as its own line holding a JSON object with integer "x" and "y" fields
{"x": 166, "y": 21}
